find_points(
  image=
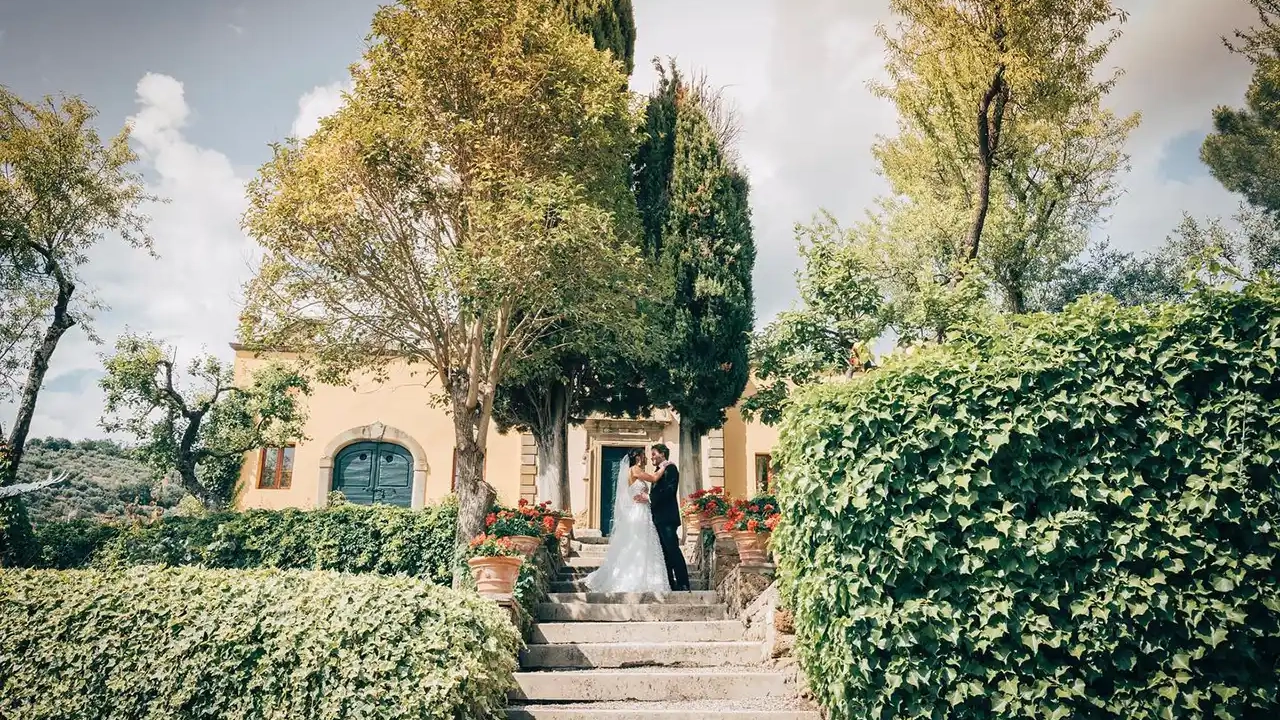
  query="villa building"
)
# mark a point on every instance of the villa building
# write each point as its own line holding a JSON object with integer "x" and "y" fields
{"x": 386, "y": 442}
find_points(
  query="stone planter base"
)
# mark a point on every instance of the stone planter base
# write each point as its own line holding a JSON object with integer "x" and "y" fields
{"x": 495, "y": 576}
{"x": 752, "y": 547}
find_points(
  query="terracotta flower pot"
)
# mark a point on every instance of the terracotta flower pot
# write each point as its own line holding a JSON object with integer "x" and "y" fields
{"x": 526, "y": 544}
{"x": 495, "y": 575}
{"x": 752, "y": 547}
{"x": 717, "y": 526}
{"x": 564, "y": 526}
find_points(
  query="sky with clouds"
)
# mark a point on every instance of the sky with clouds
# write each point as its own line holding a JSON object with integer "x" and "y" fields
{"x": 208, "y": 85}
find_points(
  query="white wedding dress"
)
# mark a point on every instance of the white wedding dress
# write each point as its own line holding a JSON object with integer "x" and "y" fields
{"x": 634, "y": 560}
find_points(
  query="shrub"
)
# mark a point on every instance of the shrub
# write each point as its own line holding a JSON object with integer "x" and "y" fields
{"x": 180, "y": 643}
{"x": 1077, "y": 516}
{"x": 350, "y": 538}
{"x": 71, "y": 544}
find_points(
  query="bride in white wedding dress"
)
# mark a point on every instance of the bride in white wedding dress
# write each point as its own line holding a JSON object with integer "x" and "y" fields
{"x": 634, "y": 560}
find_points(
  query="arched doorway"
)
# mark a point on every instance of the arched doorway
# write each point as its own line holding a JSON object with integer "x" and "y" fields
{"x": 374, "y": 472}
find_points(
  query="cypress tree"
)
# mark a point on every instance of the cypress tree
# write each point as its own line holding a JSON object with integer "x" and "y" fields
{"x": 694, "y": 209}
{"x": 610, "y": 23}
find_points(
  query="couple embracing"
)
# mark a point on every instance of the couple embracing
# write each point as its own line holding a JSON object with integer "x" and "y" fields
{"x": 644, "y": 551}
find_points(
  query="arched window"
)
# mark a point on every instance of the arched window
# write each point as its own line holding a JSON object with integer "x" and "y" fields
{"x": 374, "y": 472}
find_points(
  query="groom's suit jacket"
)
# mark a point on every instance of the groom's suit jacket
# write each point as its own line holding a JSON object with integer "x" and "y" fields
{"x": 664, "y": 498}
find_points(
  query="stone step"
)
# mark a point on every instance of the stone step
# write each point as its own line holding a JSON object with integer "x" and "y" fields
{"x": 580, "y": 585}
{"x": 651, "y": 685}
{"x": 643, "y": 654}
{"x": 615, "y": 632}
{"x": 586, "y": 563}
{"x": 759, "y": 709}
{"x": 626, "y": 598}
{"x": 588, "y": 534}
{"x": 617, "y": 612}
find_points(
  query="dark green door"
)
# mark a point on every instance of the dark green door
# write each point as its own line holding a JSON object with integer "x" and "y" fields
{"x": 373, "y": 472}
{"x": 611, "y": 461}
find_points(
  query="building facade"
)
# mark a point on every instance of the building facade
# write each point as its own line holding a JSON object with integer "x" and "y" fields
{"x": 387, "y": 442}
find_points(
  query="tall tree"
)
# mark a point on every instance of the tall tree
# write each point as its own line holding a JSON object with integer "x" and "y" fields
{"x": 841, "y": 311}
{"x": 694, "y": 207}
{"x": 1243, "y": 151}
{"x": 611, "y": 24}
{"x": 1004, "y": 155}
{"x": 458, "y": 206}
{"x": 62, "y": 188}
{"x": 1248, "y": 246}
{"x": 589, "y": 362}
{"x": 199, "y": 426}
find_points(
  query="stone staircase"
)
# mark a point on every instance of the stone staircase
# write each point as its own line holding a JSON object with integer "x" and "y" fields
{"x": 643, "y": 656}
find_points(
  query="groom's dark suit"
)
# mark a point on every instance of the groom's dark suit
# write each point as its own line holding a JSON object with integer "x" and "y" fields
{"x": 665, "y": 505}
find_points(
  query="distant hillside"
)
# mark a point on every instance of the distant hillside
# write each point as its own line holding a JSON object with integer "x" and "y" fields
{"x": 106, "y": 481}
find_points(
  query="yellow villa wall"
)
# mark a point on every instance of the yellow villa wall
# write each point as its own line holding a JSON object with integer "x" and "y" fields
{"x": 337, "y": 415}
{"x": 399, "y": 410}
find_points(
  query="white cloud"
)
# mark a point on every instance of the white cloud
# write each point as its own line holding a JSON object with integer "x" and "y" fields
{"x": 189, "y": 296}
{"x": 318, "y": 102}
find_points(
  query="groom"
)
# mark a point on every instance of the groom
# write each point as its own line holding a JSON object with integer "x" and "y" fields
{"x": 665, "y": 504}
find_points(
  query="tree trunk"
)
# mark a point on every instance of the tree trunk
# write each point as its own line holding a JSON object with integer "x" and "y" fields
{"x": 989, "y": 119}
{"x": 475, "y": 496}
{"x": 62, "y": 321}
{"x": 551, "y": 437}
{"x": 690, "y": 459}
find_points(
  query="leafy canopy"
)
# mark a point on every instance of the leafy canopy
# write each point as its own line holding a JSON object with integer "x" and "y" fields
{"x": 199, "y": 426}
{"x": 1242, "y": 152}
{"x": 1015, "y": 186}
{"x": 839, "y": 314}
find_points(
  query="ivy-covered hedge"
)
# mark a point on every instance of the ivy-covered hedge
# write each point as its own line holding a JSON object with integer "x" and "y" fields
{"x": 1075, "y": 517}
{"x": 345, "y": 537}
{"x": 180, "y": 643}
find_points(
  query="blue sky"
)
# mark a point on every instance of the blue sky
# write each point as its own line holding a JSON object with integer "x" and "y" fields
{"x": 210, "y": 83}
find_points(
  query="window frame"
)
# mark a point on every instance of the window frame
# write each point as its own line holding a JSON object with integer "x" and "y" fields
{"x": 762, "y": 483}
{"x": 279, "y": 453}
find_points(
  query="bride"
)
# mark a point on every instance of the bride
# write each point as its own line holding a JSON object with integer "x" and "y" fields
{"x": 634, "y": 560}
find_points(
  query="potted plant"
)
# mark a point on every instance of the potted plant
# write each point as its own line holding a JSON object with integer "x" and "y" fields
{"x": 495, "y": 564}
{"x": 524, "y": 532}
{"x": 712, "y": 507}
{"x": 751, "y": 524}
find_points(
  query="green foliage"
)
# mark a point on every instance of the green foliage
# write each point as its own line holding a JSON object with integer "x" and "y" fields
{"x": 1060, "y": 516}
{"x": 104, "y": 482}
{"x": 199, "y": 429}
{"x": 185, "y": 643}
{"x": 1173, "y": 270}
{"x": 62, "y": 189}
{"x": 468, "y": 197}
{"x": 346, "y": 538}
{"x": 18, "y": 545}
{"x": 1242, "y": 151}
{"x": 66, "y": 545}
{"x": 698, "y": 225}
{"x": 1005, "y": 154}
{"x": 841, "y": 311}
{"x": 611, "y": 25}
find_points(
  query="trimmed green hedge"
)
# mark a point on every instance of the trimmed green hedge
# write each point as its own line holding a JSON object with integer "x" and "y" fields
{"x": 344, "y": 537}
{"x": 1075, "y": 517}
{"x": 178, "y": 643}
